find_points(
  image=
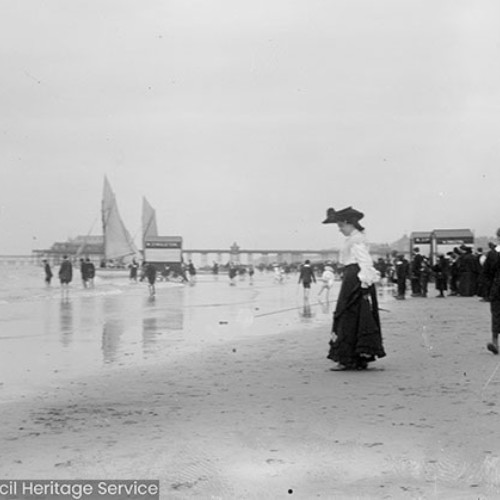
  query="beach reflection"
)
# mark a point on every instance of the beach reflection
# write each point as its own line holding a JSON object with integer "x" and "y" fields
{"x": 305, "y": 312}
{"x": 160, "y": 320}
{"x": 111, "y": 333}
{"x": 66, "y": 321}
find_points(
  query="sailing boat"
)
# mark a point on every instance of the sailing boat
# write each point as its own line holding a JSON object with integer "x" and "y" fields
{"x": 118, "y": 245}
{"x": 149, "y": 227}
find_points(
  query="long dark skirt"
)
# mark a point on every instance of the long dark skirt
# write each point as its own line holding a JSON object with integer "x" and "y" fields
{"x": 356, "y": 327}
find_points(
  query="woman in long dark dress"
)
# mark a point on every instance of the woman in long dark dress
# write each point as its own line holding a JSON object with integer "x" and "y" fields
{"x": 440, "y": 270}
{"x": 356, "y": 332}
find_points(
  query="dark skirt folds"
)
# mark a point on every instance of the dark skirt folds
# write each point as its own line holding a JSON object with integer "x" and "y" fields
{"x": 356, "y": 324}
{"x": 467, "y": 284}
{"x": 495, "y": 316}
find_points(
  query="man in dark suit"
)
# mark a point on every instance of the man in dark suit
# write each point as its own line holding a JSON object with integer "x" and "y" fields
{"x": 416, "y": 269}
{"x": 491, "y": 272}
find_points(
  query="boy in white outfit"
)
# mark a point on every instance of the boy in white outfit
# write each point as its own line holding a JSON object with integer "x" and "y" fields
{"x": 327, "y": 279}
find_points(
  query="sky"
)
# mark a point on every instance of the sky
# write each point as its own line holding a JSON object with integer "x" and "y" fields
{"x": 243, "y": 121}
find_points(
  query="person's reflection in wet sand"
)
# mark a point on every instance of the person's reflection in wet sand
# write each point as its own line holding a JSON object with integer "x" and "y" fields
{"x": 66, "y": 322}
{"x": 306, "y": 312}
{"x": 158, "y": 322}
{"x": 325, "y": 307}
{"x": 111, "y": 333}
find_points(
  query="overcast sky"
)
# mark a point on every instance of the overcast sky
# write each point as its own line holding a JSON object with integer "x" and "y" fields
{"x": 245, "y": 120}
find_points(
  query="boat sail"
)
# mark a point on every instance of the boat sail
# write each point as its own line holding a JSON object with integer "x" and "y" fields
{"x": 149, "y": 227}
{"x": 118, "y": 245}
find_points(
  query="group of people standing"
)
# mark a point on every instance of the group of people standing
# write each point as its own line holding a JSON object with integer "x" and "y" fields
{"x": 87, "y": 272}
{"x": 65, "y": 274}
{"x": 460, "y": 272}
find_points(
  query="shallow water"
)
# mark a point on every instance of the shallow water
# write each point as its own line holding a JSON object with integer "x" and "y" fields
{"x": 45, "y": 338}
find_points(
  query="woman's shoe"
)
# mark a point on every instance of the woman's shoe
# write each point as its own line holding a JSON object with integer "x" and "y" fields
{"x": 339, "y": 368}
{"x": 492, "y": 347}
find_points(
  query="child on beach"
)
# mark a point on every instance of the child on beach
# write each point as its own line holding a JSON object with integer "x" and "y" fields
{"x": 327, "y": 279}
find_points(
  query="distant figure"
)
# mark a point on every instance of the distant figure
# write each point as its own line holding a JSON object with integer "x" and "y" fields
{"x": 416, "y": 269}
{"x": 382, "y": 267}
{"x": 327, "y": 279}
{"x": 402, "y": 272}
{"x": 48, "y": 272}
{"x": 482, "y": 292}
{"x": 192, "y": 272}
{"x": 150, "y": 275}
{"x": 251, "y": 272}
{"x": 468, "y": 272}
{"x": 491, "y": 272}
{"x": 455, "y": 257}
{"x": 425, "y": 276}
{"x": 90, "y": 270}
{"x": 232, "y": 272}
{"x": 306, "y": 277}
{"x": 440, "y": 270}
{"x": 65, "y": 275}
{"x": 278, "y": 274}
{"x": 133, "y": 269}
{"x": 215, "y": 268}
{"x": 356, "y": 331}
{"x": 83, "y": 273}
{"x": 165, "y": 274}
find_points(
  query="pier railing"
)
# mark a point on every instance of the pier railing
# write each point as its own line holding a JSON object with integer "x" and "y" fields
{"x": 19, "y": 260}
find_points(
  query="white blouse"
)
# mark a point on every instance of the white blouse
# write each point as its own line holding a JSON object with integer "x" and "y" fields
{"x": 355, "y": 251}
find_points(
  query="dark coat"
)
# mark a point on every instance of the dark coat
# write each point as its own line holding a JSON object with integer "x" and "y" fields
{"x": 66, "y": 271}
{"x": 468, "y": 273}
{"x": 307, "y": 275}
{"x": 491, "y": 273}
{"x": 440, "y": 270}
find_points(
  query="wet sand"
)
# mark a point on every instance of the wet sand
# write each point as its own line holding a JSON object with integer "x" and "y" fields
{"x": 225, "y": 392}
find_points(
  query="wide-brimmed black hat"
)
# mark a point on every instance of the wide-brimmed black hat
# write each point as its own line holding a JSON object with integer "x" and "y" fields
{"x": 349, "y": 214}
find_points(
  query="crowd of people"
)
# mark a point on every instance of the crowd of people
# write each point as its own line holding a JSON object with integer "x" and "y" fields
{"x": 459, "y": 272}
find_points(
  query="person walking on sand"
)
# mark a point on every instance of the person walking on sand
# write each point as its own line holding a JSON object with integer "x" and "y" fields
{"x": 232, "y": 271}
{"x": 90, "y": 270}
{"x": 48, "y": 272}
{"x": 192, "y": 273}
{"x": 150, "y": 275}
{"x": 65, "y": 275}
{"x": 251, "y": 272}
{"x": 83, "y": 273}
{"x": 491, "y": 273}
{"x": 327, "y": 279}
{"x": 133, "y": 269}
{"x": 357, "y": 335}
{"x": 306, "y": 277}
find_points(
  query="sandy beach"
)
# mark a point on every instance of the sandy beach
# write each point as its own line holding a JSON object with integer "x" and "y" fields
{"x": 225, "y": 392}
